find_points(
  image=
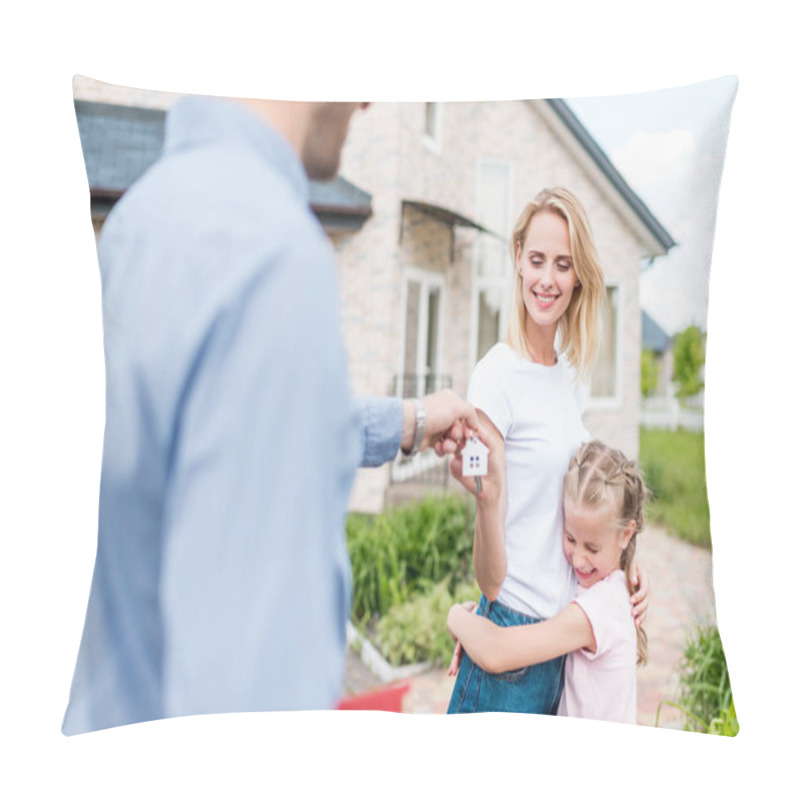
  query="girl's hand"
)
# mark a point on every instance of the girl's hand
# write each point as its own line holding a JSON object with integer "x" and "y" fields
{"x": 455, "y": 662}
{"x": 470, "y": 607}
{"x": 640, "y": 599}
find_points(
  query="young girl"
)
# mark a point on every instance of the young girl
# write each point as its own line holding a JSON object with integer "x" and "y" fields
{"x": 603, "y": 498}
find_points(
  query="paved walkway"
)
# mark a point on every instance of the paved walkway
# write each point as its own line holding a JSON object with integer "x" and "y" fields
{"x": 681, "y": 596}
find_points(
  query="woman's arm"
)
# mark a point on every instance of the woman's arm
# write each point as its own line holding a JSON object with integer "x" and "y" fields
{"x": 489, "y": 547}
{"x": 497, "y": 649}
{"x": 489, "y": 559}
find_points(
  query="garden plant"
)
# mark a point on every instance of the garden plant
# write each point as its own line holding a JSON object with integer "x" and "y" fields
{"x": 409, "y": 565}
{"x": 706, "y": 700}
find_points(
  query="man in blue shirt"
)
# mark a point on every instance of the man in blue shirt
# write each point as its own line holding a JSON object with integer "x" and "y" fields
{"x": 222, "y": 580}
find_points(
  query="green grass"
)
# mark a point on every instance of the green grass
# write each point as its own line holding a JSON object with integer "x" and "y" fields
{"x": 706, "y": 699}
{"x": 673, "y": 463}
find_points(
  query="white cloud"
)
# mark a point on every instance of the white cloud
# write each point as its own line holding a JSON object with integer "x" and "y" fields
{"x": 659, "y": 167}
{"x": 675, "y": 178}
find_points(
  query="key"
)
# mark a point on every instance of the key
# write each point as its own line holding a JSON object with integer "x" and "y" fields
{"x": 475, "y": 461}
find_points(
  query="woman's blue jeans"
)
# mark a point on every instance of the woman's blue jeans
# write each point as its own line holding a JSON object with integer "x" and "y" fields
{"x": 534, "y": 689}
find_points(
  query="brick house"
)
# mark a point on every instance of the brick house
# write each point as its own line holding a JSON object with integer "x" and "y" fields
{"x": 426, "y": 282}
{"x": 420, "y": 219}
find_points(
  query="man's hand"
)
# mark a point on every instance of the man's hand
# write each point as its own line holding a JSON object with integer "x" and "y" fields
{"x": 449, "y": 421}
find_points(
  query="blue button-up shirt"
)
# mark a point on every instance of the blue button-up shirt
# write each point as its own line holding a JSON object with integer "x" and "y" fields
{"x": 222, "y": 579}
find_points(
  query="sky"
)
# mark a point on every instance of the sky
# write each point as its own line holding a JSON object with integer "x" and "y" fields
{"x": 669, "y": 146}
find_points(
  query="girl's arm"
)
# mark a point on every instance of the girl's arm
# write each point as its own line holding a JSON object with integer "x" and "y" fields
{"x": 489, "y": 547}
{"x": 497, "y": 649}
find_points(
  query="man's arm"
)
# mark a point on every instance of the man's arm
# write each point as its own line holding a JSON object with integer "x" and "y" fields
{"x": 390, "y": 424}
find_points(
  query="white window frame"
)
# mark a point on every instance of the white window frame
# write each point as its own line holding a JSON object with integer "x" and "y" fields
{"x": 613, "y": 401}
{"x": 427, "y": 279}
{"x": 504, "y": 282}
{"x": 433, "y": 141}
{"x": 505, "y": 285}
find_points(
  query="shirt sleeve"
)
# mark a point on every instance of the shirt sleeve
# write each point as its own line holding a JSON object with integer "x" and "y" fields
{"x": 487, "y": 392}
{"x": 382, "y": 427}
{"x": 604, "y": 604}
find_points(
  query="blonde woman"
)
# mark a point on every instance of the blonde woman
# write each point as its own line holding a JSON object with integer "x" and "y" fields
{"x": 527, "y": 396}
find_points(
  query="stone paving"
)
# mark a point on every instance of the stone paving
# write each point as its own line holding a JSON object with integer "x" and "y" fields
{"x": 681, "y": 596}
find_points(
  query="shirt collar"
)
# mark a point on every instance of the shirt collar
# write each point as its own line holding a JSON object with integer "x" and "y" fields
{"x": 198, "y": 120}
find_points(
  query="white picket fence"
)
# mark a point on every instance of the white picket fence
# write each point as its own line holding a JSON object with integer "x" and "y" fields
{"x": 667, "y": 413}
{"x": 407, "y": 469}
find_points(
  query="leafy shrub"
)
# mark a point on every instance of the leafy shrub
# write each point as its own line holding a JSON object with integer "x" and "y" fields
{"x": 649, "y": 373}
{"x": 417, "y": 630}
{"x": 689, "y": 357}
{"x": 401, "y": 552}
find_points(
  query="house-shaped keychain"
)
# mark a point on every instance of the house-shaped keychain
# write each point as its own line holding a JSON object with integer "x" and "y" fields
{"x": 475, "y": 458}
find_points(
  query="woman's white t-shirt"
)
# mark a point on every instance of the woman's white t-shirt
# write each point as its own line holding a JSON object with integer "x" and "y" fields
{"x": 538, "y": 412}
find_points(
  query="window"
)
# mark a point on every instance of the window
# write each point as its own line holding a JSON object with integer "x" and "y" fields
{"x": 604, "y": 384}
{"x": 423, "y": 322}
{"x": 492, "y": 270}
{"x": 433, "y": 125}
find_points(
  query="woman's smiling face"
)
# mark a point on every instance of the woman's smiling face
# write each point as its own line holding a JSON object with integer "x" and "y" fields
{"x": 544, "y": 261}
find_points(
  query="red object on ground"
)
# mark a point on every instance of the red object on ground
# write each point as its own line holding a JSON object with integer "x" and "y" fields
{"x": 388, "y": 699}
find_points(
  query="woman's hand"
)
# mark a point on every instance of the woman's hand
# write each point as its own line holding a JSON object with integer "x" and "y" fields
{"x": 640, "y": 598}
{"x": 489, "y": 549}
{"x": 491, "y": 483}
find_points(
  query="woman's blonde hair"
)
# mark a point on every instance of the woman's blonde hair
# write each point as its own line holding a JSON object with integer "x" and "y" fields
{"x": 579, "y": 327}
{"x": 598, "y": 475}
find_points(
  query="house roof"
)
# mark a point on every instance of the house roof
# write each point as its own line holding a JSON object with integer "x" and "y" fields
{"x": 446, "y": 215}
{"x": 339, "y": 204}
{"x": 653, "y": 335}
{"x": 632, "y": 206}
{"x": 583, "y": 146}
{"x": 121, "y": 142}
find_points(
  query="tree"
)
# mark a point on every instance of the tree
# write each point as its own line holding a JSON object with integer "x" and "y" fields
{"x": 649, "y": 375}
{"x": 689, "y": 357}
